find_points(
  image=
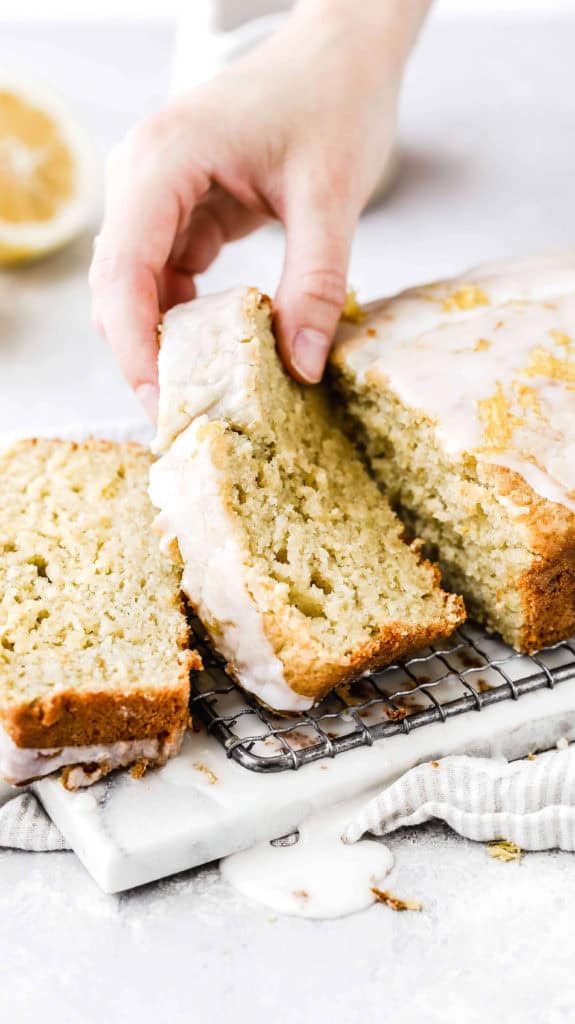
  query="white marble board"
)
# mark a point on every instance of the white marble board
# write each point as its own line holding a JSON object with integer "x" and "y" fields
{"x": 203, "y": 805}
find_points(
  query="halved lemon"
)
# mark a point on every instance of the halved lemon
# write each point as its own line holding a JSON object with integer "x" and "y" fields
{"x": 46, "y": 178}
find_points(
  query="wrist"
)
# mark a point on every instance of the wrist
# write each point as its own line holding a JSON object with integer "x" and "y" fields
{"x": 380, "y": 29}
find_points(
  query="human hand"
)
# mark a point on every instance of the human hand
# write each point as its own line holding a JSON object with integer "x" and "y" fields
{"x": 298, "y": 131}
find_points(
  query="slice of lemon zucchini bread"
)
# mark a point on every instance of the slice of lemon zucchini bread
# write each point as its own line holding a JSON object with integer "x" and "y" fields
{"x": 462, "y": 395}
{"x": 292, "y": 557}
{"x": 94, "y": 659}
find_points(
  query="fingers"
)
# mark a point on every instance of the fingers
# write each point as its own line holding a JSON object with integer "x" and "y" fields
{"x": 312, "y": 289}
{"x": 126, "y": 311}
{"x": 175, "y": 287}
{"x": 150, "y": 197}
{"x": 218, "y": 219}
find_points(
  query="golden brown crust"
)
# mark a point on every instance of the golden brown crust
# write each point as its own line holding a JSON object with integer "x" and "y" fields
{"x": 547, "y": 587}
{"x": 94, "y": 443}
{"x": 309, "y": 674}
{"x": 548, "y": 598}
{"x": 255, "y": 300}
{"x": 72, "y": 718}
{"x": 395, "y": 640}
{"x": 548, "y": 528}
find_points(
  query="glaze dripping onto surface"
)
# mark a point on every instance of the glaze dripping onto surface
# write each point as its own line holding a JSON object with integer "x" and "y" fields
{"x": 317, "y": 876}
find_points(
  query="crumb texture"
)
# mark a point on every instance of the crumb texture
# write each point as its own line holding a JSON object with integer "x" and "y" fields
{"x": 445, "y": 501}
{"x": 318, "y": 531}
{"x": 92, "y": 632}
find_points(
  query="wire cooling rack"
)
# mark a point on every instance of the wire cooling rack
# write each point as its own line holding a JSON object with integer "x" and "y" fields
{"x": 468, "y": 673}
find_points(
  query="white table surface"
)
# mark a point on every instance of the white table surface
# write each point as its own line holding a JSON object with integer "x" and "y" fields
{"x": 489, "y": 165}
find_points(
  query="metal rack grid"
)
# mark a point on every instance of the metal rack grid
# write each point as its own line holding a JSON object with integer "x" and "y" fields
{"x": 468, "y": 673}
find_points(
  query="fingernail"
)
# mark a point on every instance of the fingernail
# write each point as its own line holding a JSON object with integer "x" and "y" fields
{"x": 148, "y": 395}
{"x": 309, "y": 354}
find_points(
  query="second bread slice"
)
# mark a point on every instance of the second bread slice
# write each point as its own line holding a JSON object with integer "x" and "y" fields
{"x": 292, "y": 558}
{"x": 94, "y": 658}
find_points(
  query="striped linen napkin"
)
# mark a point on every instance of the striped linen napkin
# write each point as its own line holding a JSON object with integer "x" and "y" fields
{"x": 24, "y": 825}
{"x": 529, "y": 802}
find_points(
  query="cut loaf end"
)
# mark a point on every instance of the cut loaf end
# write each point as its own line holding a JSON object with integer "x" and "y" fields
{"x": 460, "y": 394}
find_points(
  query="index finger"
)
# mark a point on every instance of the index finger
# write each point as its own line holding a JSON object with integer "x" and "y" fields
{"x": 148, "y": 200}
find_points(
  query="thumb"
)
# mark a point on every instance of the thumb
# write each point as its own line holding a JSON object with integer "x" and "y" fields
{"x": 312, "y": 289}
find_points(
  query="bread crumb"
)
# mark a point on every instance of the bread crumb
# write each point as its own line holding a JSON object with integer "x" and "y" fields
{"x": 352, "y": 312}
{"x": 466, "y": 297}
{"x": 396, "y": 714}
{"x": 75, "y": 776}
{"x": 435, "y": 764}
{"x": 210, "y": 775}
{"x": 544, "y": 364}
{"x": 531, "y": 757}
{"x": 383, "y": 896}
{"x": 505, "y": 850}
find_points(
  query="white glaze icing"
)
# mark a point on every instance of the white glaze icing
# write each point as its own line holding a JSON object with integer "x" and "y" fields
{"x": 319, "y": 876}
{"x": 205, "y": 363}
{"x": 186, "y": 486}
{"x": 431, "y": 354}
{"x": 19, "y": 765}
